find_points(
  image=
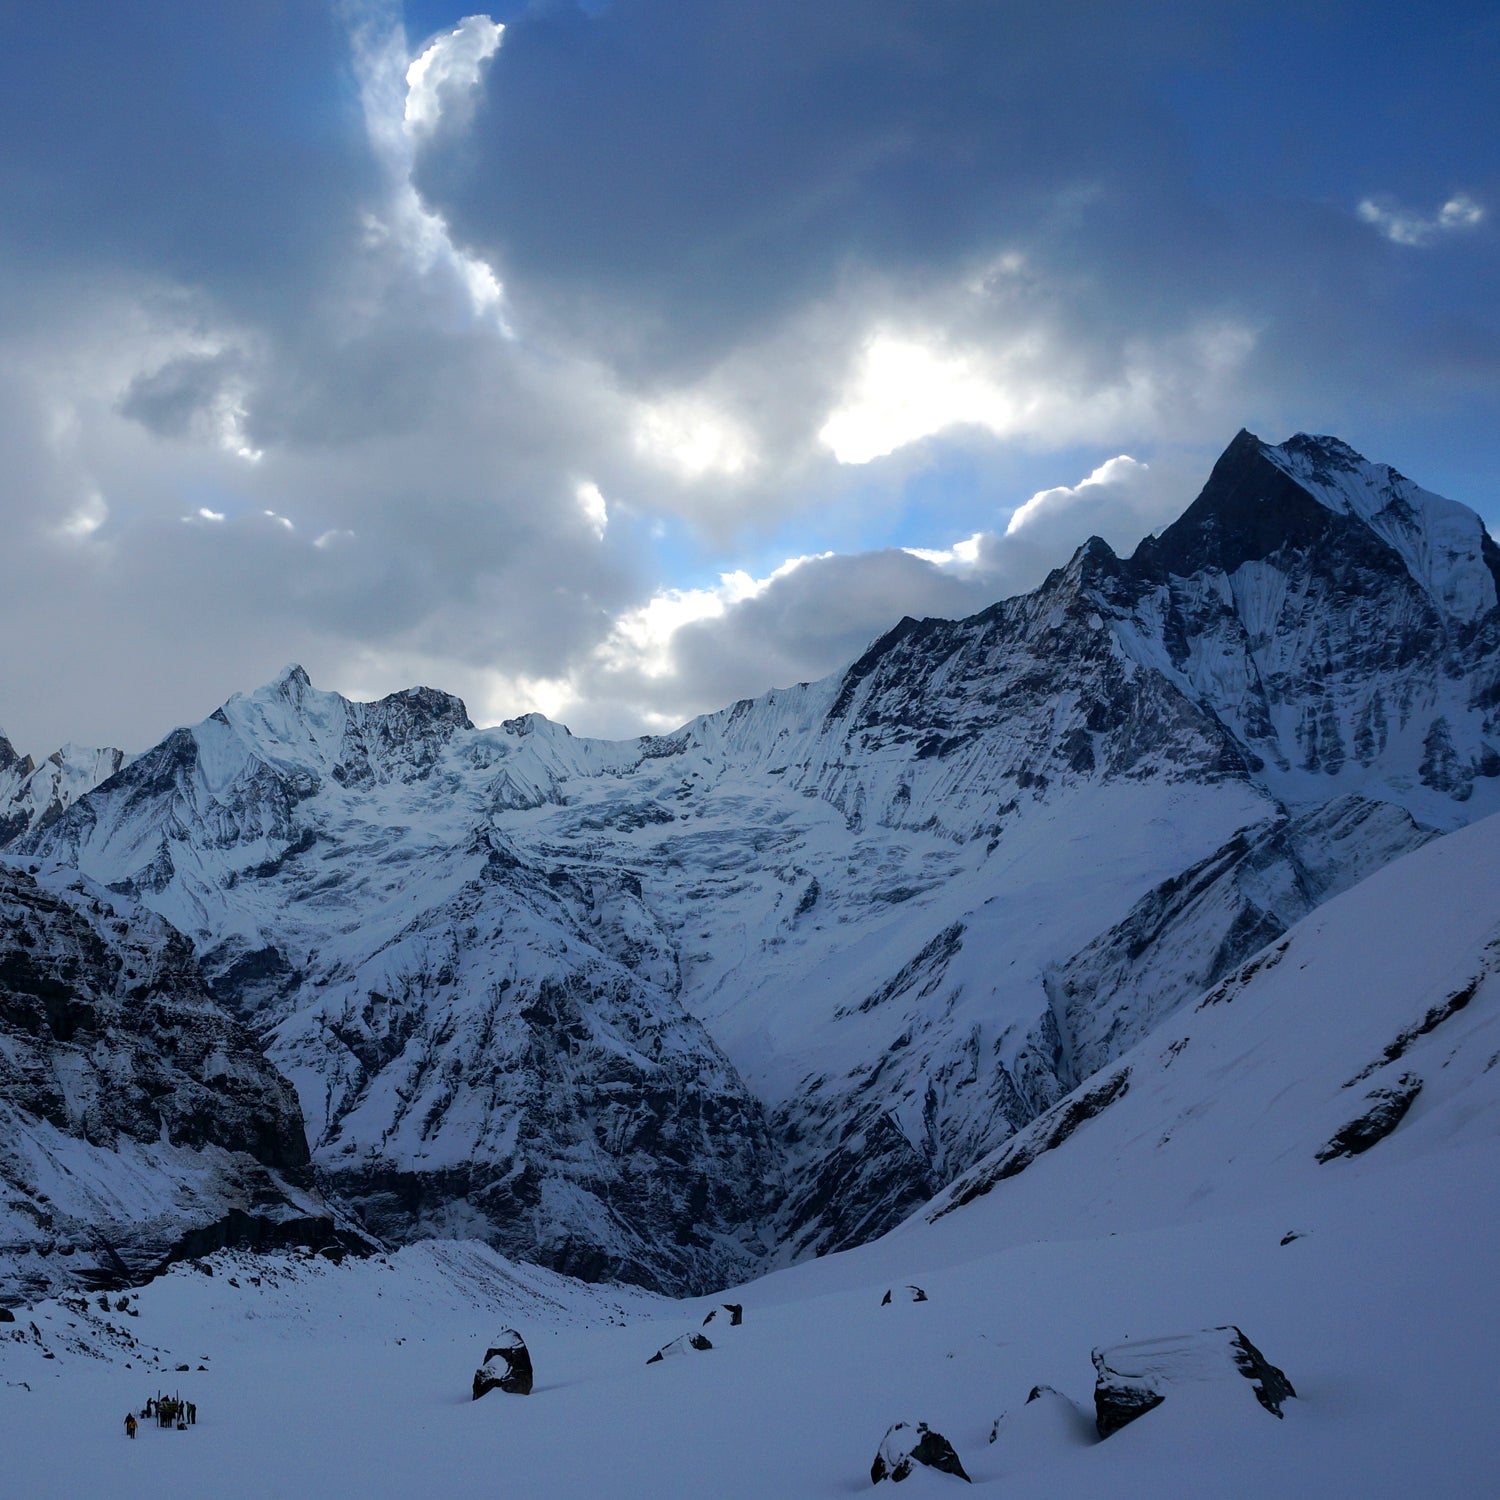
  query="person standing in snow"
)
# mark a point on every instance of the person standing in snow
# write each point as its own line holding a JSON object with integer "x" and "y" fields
{"x": 130, "y": 1424}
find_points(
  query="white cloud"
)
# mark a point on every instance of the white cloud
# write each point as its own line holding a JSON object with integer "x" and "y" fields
{"x": 86, "y": 519}
{"x": 403, "y": 99}
{"x": 1404, "y": 226}
{"x": 595, "y": 511}
{"x": 441, "y": 80}
{"x": 1118, "y": 474}
{"x": 961, "y": 555}
{"x": 642, "y": 638}
{"x": 689, "y": 435}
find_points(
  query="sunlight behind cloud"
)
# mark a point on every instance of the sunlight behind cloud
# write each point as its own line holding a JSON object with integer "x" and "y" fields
{"x": 443, "y": 77}
{"x": 404, "y": 99}
{"x": 907, "y": 391}
{"x": 595, "y": 511}
{"x": 689, "y": 435}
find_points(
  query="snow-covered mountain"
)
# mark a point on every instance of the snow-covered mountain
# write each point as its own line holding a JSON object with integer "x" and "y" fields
{"x": 647, "y": 1009}
{"x": 138, "y": 1122}
{"x": 32, "y": 795}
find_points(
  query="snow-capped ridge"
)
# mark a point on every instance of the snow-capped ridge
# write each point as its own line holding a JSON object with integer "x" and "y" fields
{"x": 821, "y": 949}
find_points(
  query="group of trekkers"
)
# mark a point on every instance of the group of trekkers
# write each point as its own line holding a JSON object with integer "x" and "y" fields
{"x": 167, "y": 1411}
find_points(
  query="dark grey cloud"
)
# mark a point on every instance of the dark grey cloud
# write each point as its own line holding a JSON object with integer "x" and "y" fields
{"x": 680, "y": 176}
{"x": 175, "y": 136}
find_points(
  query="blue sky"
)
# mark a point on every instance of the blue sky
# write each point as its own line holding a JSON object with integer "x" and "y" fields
{"x": 604, "y": 358}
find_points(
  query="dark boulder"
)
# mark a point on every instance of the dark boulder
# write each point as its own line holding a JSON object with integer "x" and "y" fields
{"x": 507, "y": 1367}
{"x": 905, "y": 1446}
{"x": 687, "y": 1344}
{"x": 905, "y": 1294}
{"x": 736, "y": 1311}
{"x": 1133, "y": 1378}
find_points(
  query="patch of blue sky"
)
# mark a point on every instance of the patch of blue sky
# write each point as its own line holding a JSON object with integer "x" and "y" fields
{"x": 1334, "y": 101}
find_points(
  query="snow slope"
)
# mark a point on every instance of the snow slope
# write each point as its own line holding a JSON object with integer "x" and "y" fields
{"x": 1195, "y": 1199}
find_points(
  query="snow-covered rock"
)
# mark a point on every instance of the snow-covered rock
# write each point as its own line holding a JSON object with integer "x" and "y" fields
{"x": 506, "y": 1367}
{"x": 31, "y": 795}
{"x": 907, "y": 1446}
{"x": 687, "y": 1343}
{"x": 1136, "y": 1377}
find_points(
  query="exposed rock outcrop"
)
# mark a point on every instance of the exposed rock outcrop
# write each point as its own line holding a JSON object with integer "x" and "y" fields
{"x": 138, "y": 1123}
{"x": 506, "y": 1367}
{"x": 906, "y": 1445}
{"x": 1385, "y": 1110}
{"x": 1134, "y": 1378}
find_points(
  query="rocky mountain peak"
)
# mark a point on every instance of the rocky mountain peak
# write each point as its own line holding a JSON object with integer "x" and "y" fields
{"x": 1251, "y": 508}
{"x": 291, "y": 681}
{"x": 10, "y": 760}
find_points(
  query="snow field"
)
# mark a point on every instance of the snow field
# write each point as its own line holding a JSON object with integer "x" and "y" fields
{"x": 354, "y": 1380}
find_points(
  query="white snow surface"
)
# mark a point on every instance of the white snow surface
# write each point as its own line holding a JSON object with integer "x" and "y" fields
{"x": 1194, "y": 1200}
{"x": 1437, "y": 538}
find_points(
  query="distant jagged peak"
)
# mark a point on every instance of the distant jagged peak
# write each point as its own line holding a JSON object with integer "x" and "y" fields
{"x": 290, "y": 722}
{"x": 524, "y": 725}
{"x": 12, "y": 760}
{"x": 1263, "y": 499}
{"x": 291, "y": 681}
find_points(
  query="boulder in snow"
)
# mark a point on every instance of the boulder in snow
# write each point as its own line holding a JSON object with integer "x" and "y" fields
{"x": 507, "y": 1367}
{"x": 903, "y": 1294}
{"x": 736, "y": 1311}
{"x": 687, "y": 1344}
{"x": 906, "y": 1445}
{"x": 1135, "y": 1377}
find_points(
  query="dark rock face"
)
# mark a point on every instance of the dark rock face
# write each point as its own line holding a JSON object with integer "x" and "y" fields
{"x": 688, "y": 1343}
{"x": 1047, "y": 1133}
{"x": 1248, "y": 510}
{"x": 1386, "y": 1109}
{"x": 79, "y": 971}
{"x": 906, "y": 1446}
{"x": 109, "y": 1037}
{"x": 1132, "y": 1379}
{"x": 506, "y": 1367}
